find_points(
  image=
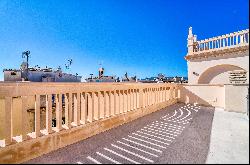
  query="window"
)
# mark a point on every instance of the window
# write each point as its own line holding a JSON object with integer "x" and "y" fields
{"x": 13, "y": 73}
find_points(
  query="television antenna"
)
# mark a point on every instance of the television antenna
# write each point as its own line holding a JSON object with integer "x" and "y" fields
{"x": 26, "y": 54}
{"x": 70, "y": 61}
{"x": 67, "y": 66}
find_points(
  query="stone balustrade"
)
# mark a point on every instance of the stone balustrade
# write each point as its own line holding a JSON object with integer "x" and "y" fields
{"x": 79, "y": 103}
{"x": 225, "y": 41}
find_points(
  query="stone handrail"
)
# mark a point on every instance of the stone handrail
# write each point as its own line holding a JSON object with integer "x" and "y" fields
{"x": 225, "y": 41}
{"x": 79, "y": 103}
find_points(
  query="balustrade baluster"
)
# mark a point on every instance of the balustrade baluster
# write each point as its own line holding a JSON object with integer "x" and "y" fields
{"x": 144, "y": 96}
{"x": 117, "y": 102}
{"x": 112, "y": 103}
{"x": 125, "y": 104}
{"x": 101, "y": 105}
{"x": 37, "y": 116}
{"x": 70, "y": 118}
{"x": 248, "y": 37}
{"x": 129, "y": 100}
{"x": 58, "y": 112}
{"x": 159, "y": 96}
{"x": 149, "y": 97}
{"x": 174, "y": 94}
{"x": 237, "y": 39}
{"x": 8, "y": 127}
{"x": 106, "y": 104}
{"x": 121, "y": 101}
{"x": 232, "y": 40}
{"x": 90, "y": 107}
{"x": 48, "y": 114}
{"x": 140, "y": 98}
{"x": 132, "y": 99}
{"x": 96, "y": 105}
{"x": 84, "y": 107}
{"x": 66, "y": 111}
{"x": 164, "y": 94}
{"x": 241, "y": 39}
{"x": 135, "y": 100}
{"x": 156, "y": 95}
{"x": 24, "y": 118}
{"x": 244, "y": 38}
{"x": 76, "y": 98}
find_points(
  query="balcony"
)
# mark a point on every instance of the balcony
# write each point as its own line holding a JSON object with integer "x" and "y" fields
{"x": 37, "y": 118}
{"x": 217, "y": 46}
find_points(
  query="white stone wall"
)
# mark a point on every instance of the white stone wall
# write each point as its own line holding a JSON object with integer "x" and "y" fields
{"x": 207, "y": 95}
{"x": 236, "y": 60}
{"x": 228, "y": 97}
{"x": 236, "y": 91}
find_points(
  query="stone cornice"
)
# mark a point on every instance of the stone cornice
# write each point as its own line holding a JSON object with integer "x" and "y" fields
{"x": 217, "y": 52}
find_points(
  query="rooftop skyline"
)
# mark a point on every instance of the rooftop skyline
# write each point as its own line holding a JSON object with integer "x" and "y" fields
{"x": 140, "y": 37}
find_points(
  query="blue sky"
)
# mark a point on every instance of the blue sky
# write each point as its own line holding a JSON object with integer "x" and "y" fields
{"x": 142, "y": 37}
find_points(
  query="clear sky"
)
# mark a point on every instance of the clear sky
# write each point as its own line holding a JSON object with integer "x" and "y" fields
{"x": 142, "y": 37}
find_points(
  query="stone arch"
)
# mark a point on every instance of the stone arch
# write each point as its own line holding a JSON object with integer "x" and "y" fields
{"x": 217, "y": 74}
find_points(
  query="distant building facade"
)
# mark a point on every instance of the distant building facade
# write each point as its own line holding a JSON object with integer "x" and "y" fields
{"x": 163, "y": 79}
{"x": 36, "y": 74}
{"x": 101, "y": 77}
{"x": 39, "y": 75}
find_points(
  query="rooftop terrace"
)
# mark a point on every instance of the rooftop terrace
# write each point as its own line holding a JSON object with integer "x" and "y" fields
{"x": 82, "y": 110}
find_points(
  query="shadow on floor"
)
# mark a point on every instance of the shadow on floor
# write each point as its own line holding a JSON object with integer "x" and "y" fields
{"x": 192, "y": 146}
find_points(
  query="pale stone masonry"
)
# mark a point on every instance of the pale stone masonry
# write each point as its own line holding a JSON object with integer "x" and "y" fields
{"x": 88, "y": 108}
{"x": 211, "y": 61}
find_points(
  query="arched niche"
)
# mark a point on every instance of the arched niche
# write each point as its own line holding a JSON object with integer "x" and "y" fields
{"x": 218, "y": 74}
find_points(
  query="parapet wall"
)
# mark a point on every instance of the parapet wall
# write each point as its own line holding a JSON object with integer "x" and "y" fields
{"x": 230, "y": 97}
{"x": 88, "y": 108}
